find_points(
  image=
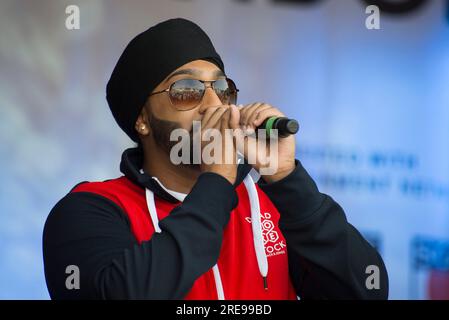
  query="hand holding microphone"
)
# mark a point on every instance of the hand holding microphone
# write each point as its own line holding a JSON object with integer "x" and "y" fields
{"x": 250, "y": 116}
{"x": 282, "y": 156}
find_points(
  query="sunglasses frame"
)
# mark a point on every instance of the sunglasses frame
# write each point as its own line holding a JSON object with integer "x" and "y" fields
{"x": 207, "y": 84}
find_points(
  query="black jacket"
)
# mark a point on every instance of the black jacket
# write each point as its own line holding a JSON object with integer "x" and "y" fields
{"x": 327, "y": 256}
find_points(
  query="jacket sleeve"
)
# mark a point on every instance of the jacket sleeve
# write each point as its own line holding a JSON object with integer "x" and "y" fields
{"x": 93, "y": 233}
{"x": 328, "y": 257}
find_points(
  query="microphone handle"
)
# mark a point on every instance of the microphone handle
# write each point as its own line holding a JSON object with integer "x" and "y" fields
{"x": 284, "y": 125}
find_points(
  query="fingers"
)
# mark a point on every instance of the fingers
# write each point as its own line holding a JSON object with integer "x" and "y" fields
{"x": 256, "y": 113}
{"x": 246, "y": 111}
{"x": 207, "y": 114}
{"x": 265, "y": 114}
{"x": 234, "y": 119}
{"x": 222, "y": 161}
{"x": 229, "y": 152}
{"x": 251, "y": 116}
{"x": 224, "y": 124}
{"x": 247, "y": 117}
{"x": 212, "y": 117}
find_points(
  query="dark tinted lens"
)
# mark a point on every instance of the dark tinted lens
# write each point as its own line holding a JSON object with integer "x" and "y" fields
{"x": 226, "y": 91}
{"x": 186, "y": 93}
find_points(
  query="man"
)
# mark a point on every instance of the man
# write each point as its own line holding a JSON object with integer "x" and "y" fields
{"x": 202, "y": 230}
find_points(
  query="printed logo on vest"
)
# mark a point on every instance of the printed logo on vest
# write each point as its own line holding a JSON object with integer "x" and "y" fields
{"x": 271, "y": 238}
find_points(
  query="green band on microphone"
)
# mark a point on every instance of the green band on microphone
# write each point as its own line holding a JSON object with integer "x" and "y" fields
{"x": 269, "y": 125}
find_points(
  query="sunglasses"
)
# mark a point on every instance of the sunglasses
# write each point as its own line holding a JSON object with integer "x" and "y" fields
{"x": 186, "y": 94}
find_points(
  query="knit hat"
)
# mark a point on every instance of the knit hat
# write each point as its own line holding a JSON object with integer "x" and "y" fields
{"x": 147, "y": 60}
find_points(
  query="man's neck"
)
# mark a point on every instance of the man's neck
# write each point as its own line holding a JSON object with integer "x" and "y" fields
{"x": 179, "y": 178}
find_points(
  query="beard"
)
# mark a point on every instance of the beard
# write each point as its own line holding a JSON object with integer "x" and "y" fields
{"x": 162, "y": 130}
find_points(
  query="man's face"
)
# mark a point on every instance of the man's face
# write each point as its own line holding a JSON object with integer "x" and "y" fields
{"x": 162, "y": 117}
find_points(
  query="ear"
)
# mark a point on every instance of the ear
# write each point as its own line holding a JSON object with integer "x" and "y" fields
{"x": 142, "y": 124}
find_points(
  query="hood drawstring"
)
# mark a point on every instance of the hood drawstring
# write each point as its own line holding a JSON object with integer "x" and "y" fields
{"x": 152, "y": 210}
{"x": 255, "y": 222}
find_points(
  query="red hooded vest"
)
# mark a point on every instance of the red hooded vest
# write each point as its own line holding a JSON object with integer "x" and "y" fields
{"x": 237, "y": 262}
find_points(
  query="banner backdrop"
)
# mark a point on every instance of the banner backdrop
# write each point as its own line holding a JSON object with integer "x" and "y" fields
{"x": 373, "y": 107}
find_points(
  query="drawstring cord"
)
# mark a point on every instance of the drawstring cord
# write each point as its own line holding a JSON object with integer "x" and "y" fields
{"x": 257, "y": 228}
{"x": 255, "y": 224}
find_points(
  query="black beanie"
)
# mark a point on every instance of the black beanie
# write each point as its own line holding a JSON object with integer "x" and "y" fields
{"x": 147, "y": 60}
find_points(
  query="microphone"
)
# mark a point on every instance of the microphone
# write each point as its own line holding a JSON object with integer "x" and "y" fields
{"x": 284, "y": 125}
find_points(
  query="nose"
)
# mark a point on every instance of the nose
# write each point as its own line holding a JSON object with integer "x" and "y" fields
{"x": 210, "y": 99}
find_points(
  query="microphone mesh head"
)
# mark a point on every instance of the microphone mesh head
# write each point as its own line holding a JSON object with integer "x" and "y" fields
{"x": 292, "y": 126}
